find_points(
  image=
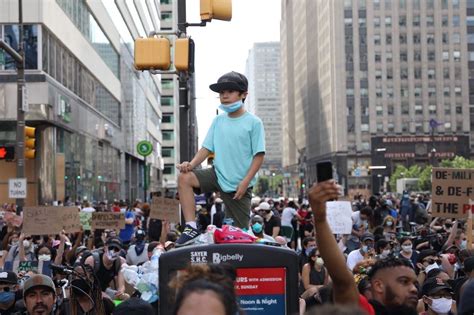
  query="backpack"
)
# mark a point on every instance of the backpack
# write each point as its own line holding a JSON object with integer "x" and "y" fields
{"x": 96, "y": 255}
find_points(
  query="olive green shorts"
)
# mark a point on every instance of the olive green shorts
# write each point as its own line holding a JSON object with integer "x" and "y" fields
{"x": 238, "y": 210}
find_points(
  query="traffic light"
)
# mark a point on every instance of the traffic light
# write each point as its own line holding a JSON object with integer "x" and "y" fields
{"x": 184, "y": 54}
{"x": 152, "y": 53}
{"x": 216, "y": 9}
{"x": 7, "y": 153}
{"x": 30, "y": 142}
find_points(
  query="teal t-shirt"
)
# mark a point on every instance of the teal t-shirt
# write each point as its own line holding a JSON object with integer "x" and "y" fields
{"x": 235, "y": 141}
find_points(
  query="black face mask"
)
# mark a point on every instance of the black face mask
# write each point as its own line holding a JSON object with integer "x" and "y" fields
{"x": 80, "y": 287}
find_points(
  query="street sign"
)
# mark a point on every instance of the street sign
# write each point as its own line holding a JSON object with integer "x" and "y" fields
{"x": 24, "y": 104}
{"x": 17, "y": 188}
{"x": 144, "y": 148}
{"x": 357, "y": 172}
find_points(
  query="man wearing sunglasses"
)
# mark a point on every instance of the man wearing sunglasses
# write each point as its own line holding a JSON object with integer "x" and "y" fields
{"x": 8, "y": 292}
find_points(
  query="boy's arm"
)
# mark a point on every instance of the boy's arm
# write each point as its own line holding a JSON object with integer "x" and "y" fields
{"x": 200, "y": 156}
{"x": 257, "y": 162}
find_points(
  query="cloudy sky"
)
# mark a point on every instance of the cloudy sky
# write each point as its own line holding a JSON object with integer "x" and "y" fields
{"x": 224, "y": 46}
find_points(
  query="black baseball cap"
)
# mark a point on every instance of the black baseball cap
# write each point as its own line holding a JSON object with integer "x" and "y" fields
{"x": 434, "y": 285}
{"x": 232, "y": 81}
{"x": 114, "y": 242}
{"x": 8, "y": 277}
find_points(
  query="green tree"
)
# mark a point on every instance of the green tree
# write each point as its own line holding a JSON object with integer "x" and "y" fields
{"x": 424, "y": 183}
{"x": 457, "y": 162}
{"x": 401, "y": 171}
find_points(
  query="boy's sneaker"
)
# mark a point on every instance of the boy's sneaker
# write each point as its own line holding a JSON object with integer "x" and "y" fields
{"x": 188, "y": 236}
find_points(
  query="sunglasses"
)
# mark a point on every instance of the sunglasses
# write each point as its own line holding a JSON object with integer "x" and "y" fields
{"x": 7, "y": 289}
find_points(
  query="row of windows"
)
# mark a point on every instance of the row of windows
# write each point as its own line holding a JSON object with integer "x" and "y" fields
{"x": 417, "y": 39}
{"x": 60, "y": 63}
{"x": 403, "y": 4}
{"x": 79, "y": 14}
{"x": 11, "y": 35}
{"x": 416, "y": 21}
{"x": 405, "y": 91}
{"x": 417, "y": 73}
{"x": 417, "y": 56}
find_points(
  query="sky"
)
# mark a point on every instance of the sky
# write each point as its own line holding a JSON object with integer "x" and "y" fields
{"x": 223, "y": 46}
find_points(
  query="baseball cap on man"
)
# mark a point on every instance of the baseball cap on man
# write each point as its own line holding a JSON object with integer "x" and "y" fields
{"x": 38, "y": 280}
{"x": 232, "y": 81}
{"x": 114, "y": 242}
{"x": 367, "y": 236}
{"x": 263, "y": 206}
{"x": 434, "y": 285}
{"x": 8, "y": 277}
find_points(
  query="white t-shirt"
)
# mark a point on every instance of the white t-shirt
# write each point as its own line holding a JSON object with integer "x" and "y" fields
{"x": 353, "y": 258}
{"x": 287, "y": 215}
{"x": 88, "y": 209}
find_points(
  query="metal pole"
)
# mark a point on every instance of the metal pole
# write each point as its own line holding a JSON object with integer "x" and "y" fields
{"x": 145, "y": 179}
{"x": 184, "y": 124}
{"x": 20, "y": 125}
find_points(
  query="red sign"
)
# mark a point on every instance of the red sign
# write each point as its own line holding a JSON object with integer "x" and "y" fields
{"x": 258, "y": 281}
{"x": 3, "y": 153}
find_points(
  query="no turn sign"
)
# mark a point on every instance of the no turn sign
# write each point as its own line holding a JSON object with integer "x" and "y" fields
{"x": 17, "y": 188}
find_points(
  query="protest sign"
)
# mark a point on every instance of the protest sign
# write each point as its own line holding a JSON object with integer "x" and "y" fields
{"x": 85, "y": 218}
{"x": 108, "y": 220}
{"x": 452, "y": 192}
{"x": 37, "y": 266}
{"x": 41, "y": 220}
{"x": 338, "y": 214}
{"x": 164, "y": 209}
{"x": 69, "y": 218}
{"x": 12, "y": 218}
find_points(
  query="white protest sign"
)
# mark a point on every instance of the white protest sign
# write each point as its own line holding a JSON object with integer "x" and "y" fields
{"x": 338, "y": 214}
{"x": 17, "y": 188}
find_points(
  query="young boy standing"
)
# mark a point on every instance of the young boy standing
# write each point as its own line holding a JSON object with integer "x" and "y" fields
{"x": 237, "y": 139}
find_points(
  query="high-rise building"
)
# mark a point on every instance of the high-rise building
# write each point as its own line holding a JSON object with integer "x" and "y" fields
{"x": 89, "y": 105}
{"x": 263, "y": 73}
{"x": 374, "y": 83}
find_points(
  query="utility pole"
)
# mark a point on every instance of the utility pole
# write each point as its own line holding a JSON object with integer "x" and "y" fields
{"x": 19, "y": 58}
{"x": 184, "y": 119}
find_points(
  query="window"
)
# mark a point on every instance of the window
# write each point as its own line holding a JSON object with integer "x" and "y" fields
{"x": 447, "y": 109}
{"x": 447, "y": 126}
{"x": 471, "y": 55}
{"x": 376, "y": 21}
{"x": 377, "y": 39}
{"x": 418, "y": 127}
{"x": 446, "y": 73}
{"x": 376, "y": 4}
{"x": 417, "y": 73}
{"x": 388, "y": 4}
{"x": 167, "y": 84}
{"x": 470, "y": 20}
{"x": 389, "y": 92}
{"x": 348, "y": 22}
{"x": 431, "y": 74}
{"x": 445, "y": 55}
{"x": 402, "y": 4}
{"x": 457, "y": 55}
{"x": 378, "y": 56}
{"x": 418, "y": 109}
{"x": 430, "y": 4}
{"x": 167, "y": 152}
{"x": 457, "y": 91}
{"x": 444, "y": 4}
{"x": 417, "y": 91}
{"x": 166, "y": 16}
{"x": 167, "y": 135}
{"x": 458, "y": 109}
{"x": 349, "y": 92}
{"x": 417, "y": 55}
{"x": 388, "y": 56}
{"x": 445, "y": 37}
{"x": 379, "y": 127}
{"x": 403, "y": 73}
{"x": 167, "y": 118}
{"x": 416, "y": 38}
{"x": 430, "y": 38}
{"x": 429, "y": 20}
{"x": 378, "y": 74}
{"x": 455, "y": 4}
{"x": 388, "y": 39}
{"x": 432, "y": 109}
{"x": 405, "y": 108}
{"x": 446, "y": 91}
{"x": 379, "y": 110}
{"x": 402, "y": 21}
{"x": 168, "y": 169}
{"x": 389, "y": 74}
{"x": 390, "y": 109}
{"x": 456, "y": 21}
{"x": 416, "y": 4}
{"x": 456, "y": 38}
{"x": 403, "y": 56}
{"x": 167, "y": 101}
{"x": 470, "y": 38}
{"x": 362, "y": 22}
{"x": 404, "y": 91}
{"x": 416, "y": 20}
{"x": 364, "y": 127}
{"x": 403, "y": 39}
{"x": 347, "y": 4}
{"x": 431, "y": 91}
{"x": 457, "y": 73}
{"x": 431, "y": 55}
{"x": 388, "y": 21}
{"x": 444, "y": 20}
{"x": 378, "y": 92}
{"x": 390, "y": 126}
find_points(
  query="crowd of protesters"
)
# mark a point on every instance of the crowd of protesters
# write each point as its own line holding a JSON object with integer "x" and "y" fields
{"x": 397, "y": 259}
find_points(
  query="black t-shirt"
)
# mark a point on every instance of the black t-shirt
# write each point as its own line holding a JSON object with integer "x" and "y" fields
{"x": 154, "y": 230}
{"x": 270, "y": 224}
{"x": 65, "y": 308}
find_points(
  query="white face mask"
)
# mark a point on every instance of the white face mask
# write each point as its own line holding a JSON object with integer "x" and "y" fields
{"x": 431, "y": 267}
{"x": 319, "y": 261}
{"x": 111, "y": 255}
{"x": 441, "y": 305}
{"x": 407, "y": 248}
{"x": 385, "y": 253}
{"x": 389, "y": 223}
{"x": 26, "y": 244}
{"x": 44, "y": 257}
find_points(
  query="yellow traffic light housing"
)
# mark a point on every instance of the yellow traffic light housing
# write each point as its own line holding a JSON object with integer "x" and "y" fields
{"x": 152, "y": 53}
{"x": 216, "y": 9}
{"x": 30, "y": 141}
{"x": 184, "y": 54}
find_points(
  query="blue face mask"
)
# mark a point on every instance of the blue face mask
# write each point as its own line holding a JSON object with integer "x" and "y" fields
{"x": 257, "y": 227}
{"x": 308, "y": 250}
{"x": 230, "y": 108}
{"x": 7, "y": 297}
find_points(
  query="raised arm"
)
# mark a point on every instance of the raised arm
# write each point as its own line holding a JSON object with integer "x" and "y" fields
{"x": 344, "y": 287}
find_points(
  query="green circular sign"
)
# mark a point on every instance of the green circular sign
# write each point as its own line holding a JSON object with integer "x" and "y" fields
{"x": 144, "y": 148}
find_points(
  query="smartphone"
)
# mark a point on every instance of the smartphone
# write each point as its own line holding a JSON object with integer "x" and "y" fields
{"x": 323, "y": 171}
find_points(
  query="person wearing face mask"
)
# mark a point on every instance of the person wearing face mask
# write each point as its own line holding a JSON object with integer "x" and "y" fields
{"x": 237, "y": 138}
{"x": 272, "y": 223}
{"x": 437, "y": 298}
{"x": 382, "y": 249}
{"x": 365, "y": 251}
{"x": 389, "y": 227}
{"x": 23, "y": 251}
{"x": 407, "y": 251}
{"x": 256, "y": 228}
{"x": 428, "y": 260}
{"x": 360, "y": 225}
{"x": 137, "y": 252}
{"x": 8, "y": 292}
{"x": 107, "y": 264}
{"x": 314, "y": 275}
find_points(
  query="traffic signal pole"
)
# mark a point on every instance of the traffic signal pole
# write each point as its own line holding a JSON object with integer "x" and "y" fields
{"x": 184, "y": 119}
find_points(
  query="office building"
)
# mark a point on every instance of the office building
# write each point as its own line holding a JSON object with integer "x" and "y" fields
{"x": 378, "y": 83}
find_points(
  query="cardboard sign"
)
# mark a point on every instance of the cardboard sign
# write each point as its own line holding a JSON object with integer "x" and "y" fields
{"x": 41, "y": 220}
{"x": 12, "y": 218}
{"x": 338, "y": 215}
{"x": 164, "y": 209}
{"x": 108, "y": 220}
{"x": 17, "y": 266}
{"x": 69, "y": 217}
{"x": 452, "y": 192}
{"x": 86, "y": 219}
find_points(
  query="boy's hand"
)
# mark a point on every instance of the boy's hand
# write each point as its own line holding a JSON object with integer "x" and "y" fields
{"x": 241, "y": 190}
{"x": 185, "y": 167}
{"x": 319, "y": 194}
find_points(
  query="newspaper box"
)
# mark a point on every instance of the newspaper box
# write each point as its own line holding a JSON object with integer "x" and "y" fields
{"x": 267, "y": 276}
